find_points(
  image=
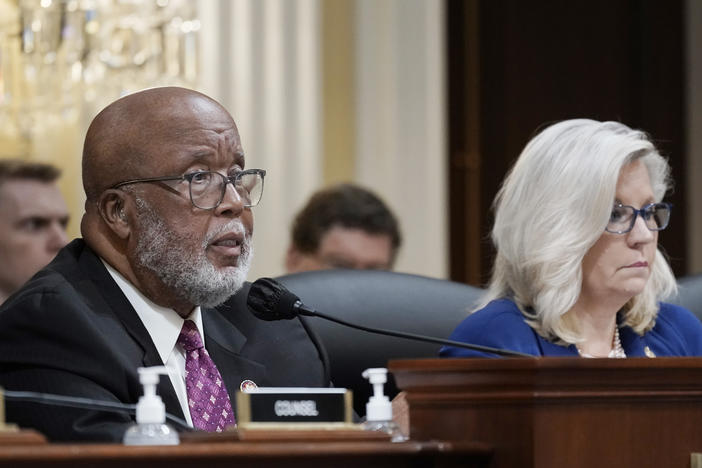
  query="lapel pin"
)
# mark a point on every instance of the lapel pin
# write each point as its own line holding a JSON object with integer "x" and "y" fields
{"x": 247, "y": 385}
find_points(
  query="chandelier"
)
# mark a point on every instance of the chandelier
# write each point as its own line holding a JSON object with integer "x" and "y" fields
{"x": 61, "y": 61}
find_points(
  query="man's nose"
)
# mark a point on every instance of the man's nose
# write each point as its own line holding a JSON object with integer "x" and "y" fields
{"x": 232, "y": 202}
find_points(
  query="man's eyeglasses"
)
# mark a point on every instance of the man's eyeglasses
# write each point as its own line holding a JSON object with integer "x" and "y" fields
{"x": 623, "y": 217}
{"x": 207, "y": 188}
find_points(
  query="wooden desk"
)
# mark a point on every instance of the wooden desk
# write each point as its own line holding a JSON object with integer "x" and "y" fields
{"x": 560, "y": 412}
{"x": 501, "y": 413}
{"x": 328, "y": 454}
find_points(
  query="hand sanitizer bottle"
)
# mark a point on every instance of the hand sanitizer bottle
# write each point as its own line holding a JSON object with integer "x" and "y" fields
{"x": 379, "y": 407}
{"x": 150, "y": 427}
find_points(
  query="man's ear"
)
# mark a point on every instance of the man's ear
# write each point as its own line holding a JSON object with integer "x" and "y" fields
{"x": 292, "y": 259}
{"x": 114, "y": 212}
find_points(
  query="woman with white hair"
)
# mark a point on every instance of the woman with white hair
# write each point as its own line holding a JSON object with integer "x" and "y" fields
{"x": 578, "y": 270}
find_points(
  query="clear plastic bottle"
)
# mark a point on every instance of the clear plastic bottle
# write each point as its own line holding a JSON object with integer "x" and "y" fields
{"x": 150, "y": 427}
{"x": 379, "y": 407}
{"x": 151, "y": 434}
{"x": 389, "y": 427}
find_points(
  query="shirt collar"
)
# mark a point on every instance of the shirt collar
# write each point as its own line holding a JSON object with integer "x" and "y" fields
{"x": 162, "y": 323}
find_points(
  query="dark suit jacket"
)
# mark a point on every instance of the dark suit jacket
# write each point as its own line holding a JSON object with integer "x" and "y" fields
{"x": 71, "y": 331}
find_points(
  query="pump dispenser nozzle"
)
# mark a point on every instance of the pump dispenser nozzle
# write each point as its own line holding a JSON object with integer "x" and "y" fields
{"x": 150, "y": 408}
{"x": 378, "y": 407}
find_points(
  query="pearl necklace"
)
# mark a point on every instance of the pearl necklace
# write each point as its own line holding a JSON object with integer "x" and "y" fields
{"x": 616, "y": 352}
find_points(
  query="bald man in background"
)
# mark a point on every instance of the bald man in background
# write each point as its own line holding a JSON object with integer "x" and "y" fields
{"x": 33, "y": 220}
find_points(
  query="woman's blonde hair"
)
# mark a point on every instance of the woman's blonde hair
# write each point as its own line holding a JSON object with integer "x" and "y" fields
{"x": 553, "y": 206}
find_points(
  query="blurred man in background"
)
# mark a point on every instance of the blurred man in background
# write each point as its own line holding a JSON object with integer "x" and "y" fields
{"x": 343, "y": 226}
{"x": 33, "y": 220}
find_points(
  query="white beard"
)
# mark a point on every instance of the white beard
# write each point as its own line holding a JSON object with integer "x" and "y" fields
{"x": 189, "y": 273}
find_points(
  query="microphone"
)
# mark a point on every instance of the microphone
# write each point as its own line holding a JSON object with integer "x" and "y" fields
{"x": 269, "y": 300}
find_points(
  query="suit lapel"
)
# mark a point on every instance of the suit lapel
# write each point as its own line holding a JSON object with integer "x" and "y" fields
{"x": 225, "y": 344}
{"x": 632, "y": 343}
{"x": 107, "y": 296}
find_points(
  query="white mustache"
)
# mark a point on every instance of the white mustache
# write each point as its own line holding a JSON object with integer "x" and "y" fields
{"x": 235, "y": 225}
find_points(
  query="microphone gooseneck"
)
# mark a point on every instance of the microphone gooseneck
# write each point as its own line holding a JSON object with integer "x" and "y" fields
{"x": 83, "y": 403}
{"x": 270, "y": 300}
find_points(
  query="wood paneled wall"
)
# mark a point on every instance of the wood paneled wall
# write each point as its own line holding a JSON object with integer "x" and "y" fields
{"x": 515, "y": 66}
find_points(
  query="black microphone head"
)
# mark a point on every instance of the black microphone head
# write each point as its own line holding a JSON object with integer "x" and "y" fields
{"x": 270, "y": 300}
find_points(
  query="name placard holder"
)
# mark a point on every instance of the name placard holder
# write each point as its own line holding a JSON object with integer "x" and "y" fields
{"x": 294, "y": 408}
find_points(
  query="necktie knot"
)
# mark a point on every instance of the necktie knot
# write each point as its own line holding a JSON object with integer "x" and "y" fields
{"x": 189, "y": 337}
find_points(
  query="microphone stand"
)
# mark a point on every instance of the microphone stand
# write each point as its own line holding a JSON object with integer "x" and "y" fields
{"x": 381, "y": 331}
{"x": 83, "y": 403}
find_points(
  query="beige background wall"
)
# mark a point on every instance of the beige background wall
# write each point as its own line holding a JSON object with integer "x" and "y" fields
{"x": 329, "y": 91}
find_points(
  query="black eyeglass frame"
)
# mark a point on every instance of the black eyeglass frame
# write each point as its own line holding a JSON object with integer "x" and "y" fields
{"x": 233, "y": 179}
{"x": 642, "y": 212}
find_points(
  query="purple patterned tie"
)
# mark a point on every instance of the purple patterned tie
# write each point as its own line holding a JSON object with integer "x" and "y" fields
{"x": 208, "y": 400}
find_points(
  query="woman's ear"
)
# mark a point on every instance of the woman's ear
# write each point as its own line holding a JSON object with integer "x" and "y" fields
{"x": 113, "y": 210}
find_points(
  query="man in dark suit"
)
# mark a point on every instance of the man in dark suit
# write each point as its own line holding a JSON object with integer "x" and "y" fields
{"x": 166, "y": 238}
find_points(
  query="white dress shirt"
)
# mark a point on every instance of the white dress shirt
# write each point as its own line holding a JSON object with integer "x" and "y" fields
{"x": 163, "y": 325}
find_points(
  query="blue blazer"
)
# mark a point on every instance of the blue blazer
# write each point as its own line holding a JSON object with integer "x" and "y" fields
{"x": 501, "y": 324}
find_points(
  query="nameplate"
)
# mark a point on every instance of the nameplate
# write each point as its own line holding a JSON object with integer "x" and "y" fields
{"x": 293, "y": 405}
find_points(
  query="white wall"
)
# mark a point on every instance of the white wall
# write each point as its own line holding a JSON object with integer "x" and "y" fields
{"x": 401, "y": 123}
{"x": 262, "y": 60}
